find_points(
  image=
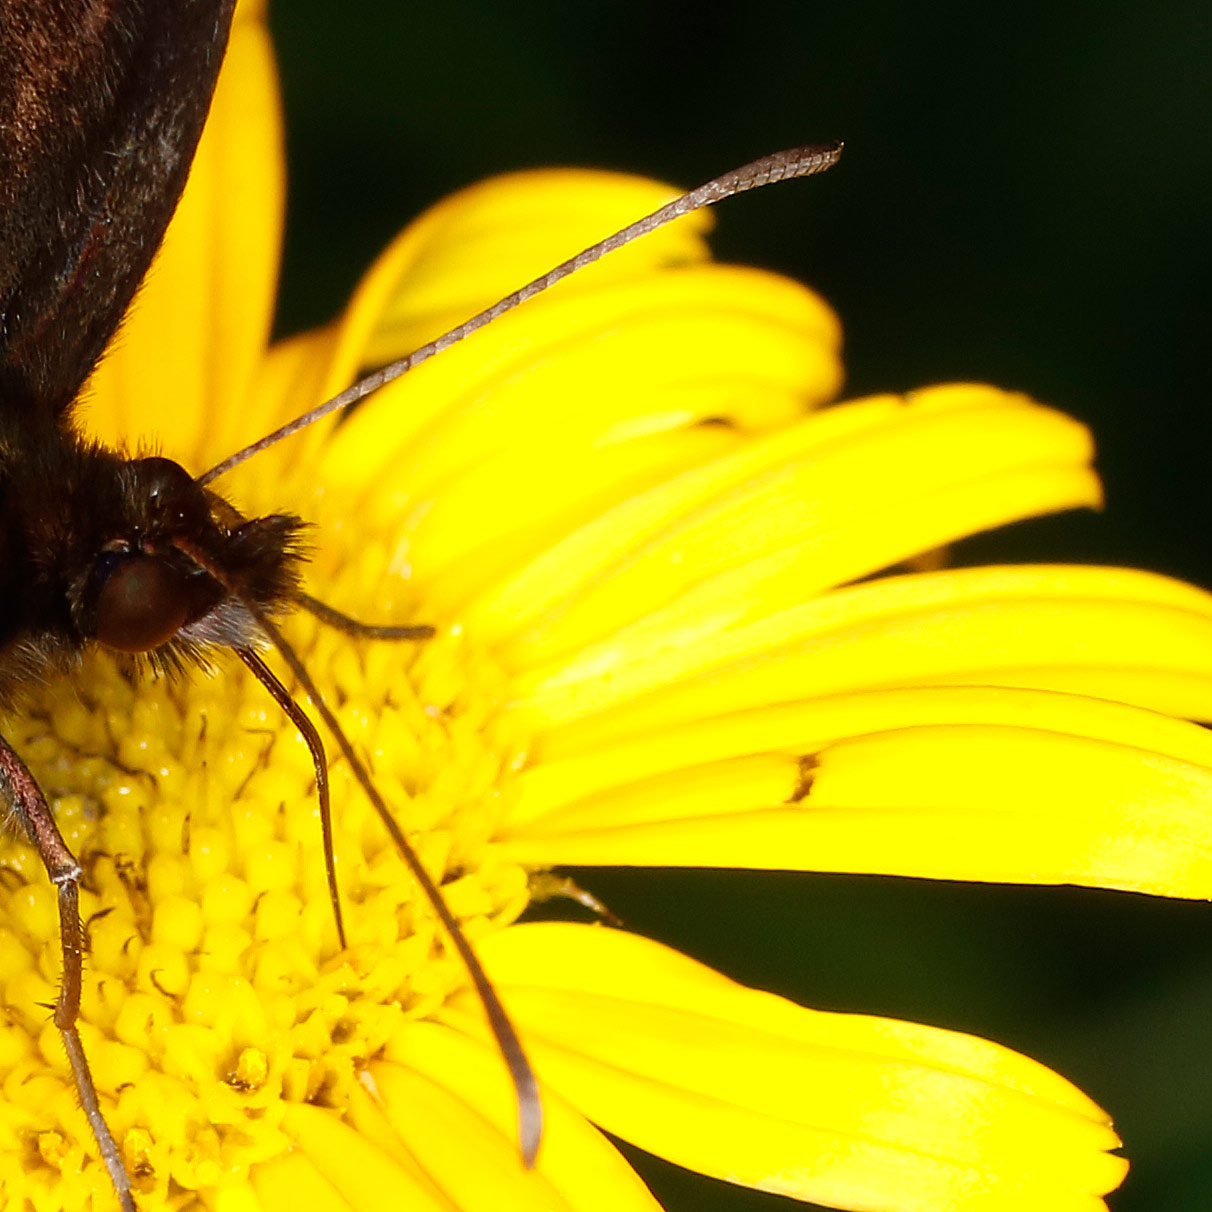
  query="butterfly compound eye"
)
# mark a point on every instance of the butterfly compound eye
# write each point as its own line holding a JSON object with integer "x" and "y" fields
{"x": 142, "y": 604}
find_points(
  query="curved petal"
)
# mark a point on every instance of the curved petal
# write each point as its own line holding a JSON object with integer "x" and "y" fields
{"x": 548, "y": 792}
{"x": 1028, "y": 626}
{"x": 292, "y": 1181}
{"x": 473, "y": 249}
{"x": 237, "y": 1199}
{"x": 288, "y": 381}
{"x": 964, "y": 783}
{"x": 185, "y": 357}
{"x": 358, "y": 1164}
{"x": 447, "y": 1096}
{"x": 838, "y": 496}
{"x": 573, "y": 372}
{"x": 482, "y": 243}
{"x": 846, "y": 1110}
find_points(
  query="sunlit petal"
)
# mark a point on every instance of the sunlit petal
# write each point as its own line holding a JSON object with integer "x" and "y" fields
{"x": 1027, "y": 626}
{"x": 1000, "y": 785}
{"x": 841, "y": 1109}
{"x": 201, "y": 320}
{"x": 449, "y": 1097}
{"x": 836, "y": 497}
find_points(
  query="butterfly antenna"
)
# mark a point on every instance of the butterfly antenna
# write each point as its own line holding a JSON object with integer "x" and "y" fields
{"x": 782, "y": 166}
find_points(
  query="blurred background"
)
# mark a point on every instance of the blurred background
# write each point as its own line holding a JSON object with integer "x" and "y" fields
{"x": 1023, "y": 200}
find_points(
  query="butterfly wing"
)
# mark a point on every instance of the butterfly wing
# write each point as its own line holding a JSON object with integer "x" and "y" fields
{"x": 101, "y": 106}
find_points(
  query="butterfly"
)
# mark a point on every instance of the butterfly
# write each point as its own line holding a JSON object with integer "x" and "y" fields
{"x": 101, "y": 108}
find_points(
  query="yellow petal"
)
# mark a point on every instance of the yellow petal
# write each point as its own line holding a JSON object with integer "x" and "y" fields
{"x": 479, "y": 245}
{"x": 462, "y": 544}
{"x": 1029, "y": 626}
{"x": 554, "y": 792}
{"x": 836, "y": 497}
{"x": 200, "y": 324}
{"x": 484, "y": 242}
{"x": 596, "y": 367}
{"x": 369, "y": 1119}
{"x": 354, "y": 1165}
{"x": 976, "y": 784}
{"x": 289, "y": 380}
{"x": 846, "y": 1110}
{"x": 237, "y": 1199}
{"x": 447, "y": 1095}
{"x": 292, "y": 1181}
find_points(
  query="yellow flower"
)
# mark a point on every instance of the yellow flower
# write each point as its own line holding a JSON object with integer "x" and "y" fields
{"x": 650, "y": 559}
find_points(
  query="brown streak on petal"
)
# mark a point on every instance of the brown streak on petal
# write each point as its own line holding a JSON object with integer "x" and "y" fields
{"x": 807, "y": 764}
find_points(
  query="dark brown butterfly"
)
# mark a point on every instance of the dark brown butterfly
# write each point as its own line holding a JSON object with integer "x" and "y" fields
{"x": 101, "y": 106}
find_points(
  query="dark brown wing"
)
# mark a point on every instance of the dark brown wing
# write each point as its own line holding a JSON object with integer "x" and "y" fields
{"x": 101, "y": 106}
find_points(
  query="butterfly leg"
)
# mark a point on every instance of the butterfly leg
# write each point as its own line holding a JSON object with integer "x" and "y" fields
{"x": 355, "y": 627}
{"x": 29, "y": 805}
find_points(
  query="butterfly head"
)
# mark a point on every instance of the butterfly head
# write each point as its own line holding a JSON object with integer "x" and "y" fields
{"x": 175, "y": 570}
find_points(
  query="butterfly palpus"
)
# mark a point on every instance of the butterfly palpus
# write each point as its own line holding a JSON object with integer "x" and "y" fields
{"x": 101, "y": 108}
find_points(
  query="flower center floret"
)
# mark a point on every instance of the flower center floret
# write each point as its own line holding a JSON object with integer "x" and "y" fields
{"x": 215, "y": 990}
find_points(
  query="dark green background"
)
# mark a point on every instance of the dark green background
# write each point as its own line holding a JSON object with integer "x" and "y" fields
{"x": 1023, "y": 200}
